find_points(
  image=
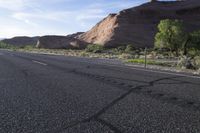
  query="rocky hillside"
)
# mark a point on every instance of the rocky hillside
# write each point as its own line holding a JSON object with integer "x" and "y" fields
{"x": 60, "y": 42}
{"x": 138, "y": 25}
{"x": 21, "y": 41}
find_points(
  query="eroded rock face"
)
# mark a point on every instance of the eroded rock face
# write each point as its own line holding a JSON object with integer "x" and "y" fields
{"x": 60, "y": 42}
{"x": 102, "y": 32}
{"x": 138, "y": 25}
{"x": 21, "y": 41}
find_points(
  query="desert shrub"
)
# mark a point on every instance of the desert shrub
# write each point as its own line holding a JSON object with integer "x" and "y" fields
{"x": 121, "y": 48}
{"x": 196, "y": 62}
{"x": 4, "y": 45}
{"x": 152, "y": 54}
{"x": 185, "y": 62}
{"x": 129, "y": 48}
{"x": 198, "y": 71}
{"x": 162, "y": 50}
{"x": 194, "y": 40}
{"x": 114, "y": 51}
{"x": 28, "y": 47}
{"x": 126, "y": 56}
{"x": 118, "y": 50}
{"x": 94, "y": 48}
{"x": 193, "y": 52}
{"x": 84, "y": 54}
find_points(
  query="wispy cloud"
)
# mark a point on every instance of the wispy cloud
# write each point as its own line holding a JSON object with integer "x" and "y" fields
{"x": 50, "y": 16}
{"x": 29, "y": 17}
{"x": 114, "y": 5}
{"x": 12, "y": 4}
{"x": 20, "y": 5}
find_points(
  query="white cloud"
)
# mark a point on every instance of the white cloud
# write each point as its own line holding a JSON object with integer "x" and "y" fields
{"x": 117, "y": 5}
{"x": 51, "y": 15}
{"x": 39, "y": 17}
{"x": 82, "y": 17}
{"x": 89, "y": 14}
{"x": 17, "y": 5}
{"x": 12, "y": 4}
{"x": 11, "y": 31}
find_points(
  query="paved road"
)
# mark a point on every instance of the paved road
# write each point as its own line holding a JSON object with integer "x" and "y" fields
{"x": 57, "y": 94}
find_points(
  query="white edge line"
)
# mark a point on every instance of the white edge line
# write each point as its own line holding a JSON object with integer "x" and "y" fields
{"x": 41, "y": 63}
{"x": 156, "y": 71}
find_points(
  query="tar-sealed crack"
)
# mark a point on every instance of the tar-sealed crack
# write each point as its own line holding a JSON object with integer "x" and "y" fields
{"x": 128, "y": 88}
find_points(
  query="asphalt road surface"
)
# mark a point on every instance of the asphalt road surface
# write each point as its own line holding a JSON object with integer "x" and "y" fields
{"x": 57, "y": 94}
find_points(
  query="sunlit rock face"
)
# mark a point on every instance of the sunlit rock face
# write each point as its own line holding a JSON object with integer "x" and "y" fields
{"x": 138, "y": 25}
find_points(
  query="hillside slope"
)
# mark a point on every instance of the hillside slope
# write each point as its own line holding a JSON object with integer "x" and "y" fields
{"x": 138, "y": 25}
{"x": 60, "y": 42}
{"x": 21, "y": 41}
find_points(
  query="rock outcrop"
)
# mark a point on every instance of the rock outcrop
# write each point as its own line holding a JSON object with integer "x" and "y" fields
{"x": 21, "y": 41}
{"x": 138, "y": 25}
{"x": 60, "y": 42}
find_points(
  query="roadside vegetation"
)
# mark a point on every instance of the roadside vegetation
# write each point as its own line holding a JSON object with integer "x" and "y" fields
{"x": 180, "y": 43}
{"x": 150, "y": 62}
{"x": 6, "y": 46}
{"x": 94, "y": 48}
{"x": 174, "y": 47}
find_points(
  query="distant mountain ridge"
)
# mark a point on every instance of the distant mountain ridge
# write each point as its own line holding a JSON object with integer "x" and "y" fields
{"x": 21, "y": 41}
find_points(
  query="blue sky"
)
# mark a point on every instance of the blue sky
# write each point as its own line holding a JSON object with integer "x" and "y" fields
{"x": 55, "y": 17}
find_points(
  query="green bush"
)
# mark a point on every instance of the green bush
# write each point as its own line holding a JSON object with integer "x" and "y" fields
{"x": 94, "y": 48}
{"x": 124, "y": 49}
{"x": 126, "y": 56}
{"x": 185, "y": 63}
{"x": 196, "y": 62}
{"x": 119, "y": 50}
{"x": 170, "y": 35}
{"x": 193, "y": 52}
{"x": 6, "y": 46}
{"x": 194, "y": 40}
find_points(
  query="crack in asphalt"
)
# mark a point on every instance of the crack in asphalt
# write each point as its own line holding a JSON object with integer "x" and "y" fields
{"x": 159, "y": 96}
{"x": 111, "y": 104}
{"x": 137, "y": 89}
